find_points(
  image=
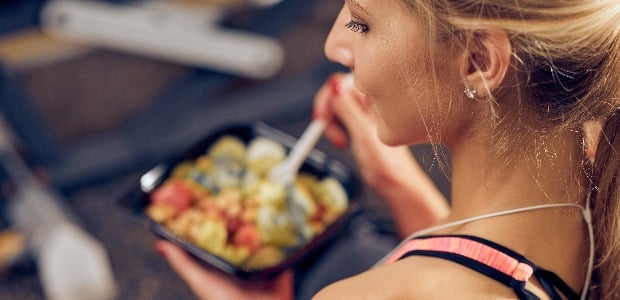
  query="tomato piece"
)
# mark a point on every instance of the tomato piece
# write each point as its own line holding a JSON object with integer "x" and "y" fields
{"x": 175, "y": 193}
{"x": 247, "y": 236}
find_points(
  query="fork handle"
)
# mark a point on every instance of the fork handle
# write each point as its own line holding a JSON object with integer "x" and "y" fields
{"x": 306, "y": 143}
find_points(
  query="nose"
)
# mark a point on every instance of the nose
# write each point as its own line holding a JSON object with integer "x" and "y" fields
{"x": 337, "y": 46}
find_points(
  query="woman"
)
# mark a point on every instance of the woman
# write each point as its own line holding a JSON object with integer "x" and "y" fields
{"x": 507, "y": 87}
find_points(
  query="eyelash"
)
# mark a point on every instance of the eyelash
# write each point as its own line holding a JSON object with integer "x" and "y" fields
{"x": 357, "y": 27}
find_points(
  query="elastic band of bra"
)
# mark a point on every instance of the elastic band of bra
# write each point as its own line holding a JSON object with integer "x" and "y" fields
{"x": 472, "y": 249}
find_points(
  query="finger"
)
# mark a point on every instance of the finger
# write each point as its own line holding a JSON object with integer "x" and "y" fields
{"x": 321, "y": 108}
{"x": 336, "y": 133}
{"x": 354, "y": 113}
{"x": 330, "y": 91}
{"x": 280, "y": 288}
{"x": 207, "y": 284}
{"x": 327, "y": 91}
{"x": 284, "y": 285}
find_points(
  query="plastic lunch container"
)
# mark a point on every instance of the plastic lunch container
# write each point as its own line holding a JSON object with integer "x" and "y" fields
{"x": 317, "y": 164}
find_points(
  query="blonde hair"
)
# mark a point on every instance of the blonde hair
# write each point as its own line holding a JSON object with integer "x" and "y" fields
{"x": 567, "y": 59}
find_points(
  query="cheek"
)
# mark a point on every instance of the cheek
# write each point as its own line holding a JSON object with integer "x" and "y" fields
{"x": 406, "y": 105}
{"x": 415, "y": 111}
{"x": 403, "y": 91}
{"x": 405, "y": 116}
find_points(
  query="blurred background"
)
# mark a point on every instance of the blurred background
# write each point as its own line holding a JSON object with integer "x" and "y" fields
{"x": 94, "y": 93}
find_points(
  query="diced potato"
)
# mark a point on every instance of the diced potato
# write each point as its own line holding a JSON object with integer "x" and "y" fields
{"x": 210, "y": 234}
{"x": 269, "y": 193}
{"x": 263, "y": 154}
{"x": 334, "y": 197}
{"x": 204, "y": 163}
{"x": 228, "y": 146}
{"x": 235, "y": 255}
{"x": 161, "y": 212}
{"x": 275, "y": 227}
{"x": 265, "y": 257}
{"x": 182, "y": 223}
{"x": 182, "y": 170}
{"x": 302, "y": 198}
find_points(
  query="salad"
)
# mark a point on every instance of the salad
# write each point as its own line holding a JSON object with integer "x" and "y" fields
{"x": 224, "y": 202}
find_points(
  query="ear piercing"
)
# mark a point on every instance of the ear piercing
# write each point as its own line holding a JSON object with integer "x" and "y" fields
{"x": 470, "y": 92}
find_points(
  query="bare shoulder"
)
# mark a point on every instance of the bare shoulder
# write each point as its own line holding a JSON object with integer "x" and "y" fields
{"x": 417, "y": 278}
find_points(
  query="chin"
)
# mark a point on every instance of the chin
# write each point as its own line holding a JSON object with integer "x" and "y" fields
{"x": 389, "y": 137}
{"x": 400, "y": 137}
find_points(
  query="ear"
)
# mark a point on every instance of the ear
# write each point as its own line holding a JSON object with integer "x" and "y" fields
{"x": 485, "y": 61}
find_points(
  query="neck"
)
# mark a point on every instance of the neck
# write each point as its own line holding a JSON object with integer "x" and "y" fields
{"x": 484, "y": 183}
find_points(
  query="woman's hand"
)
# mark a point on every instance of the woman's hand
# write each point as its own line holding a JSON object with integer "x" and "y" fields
{"x": 350, "y": 122}
{"x": 392, "y": 172}
{"x": 210, "y": 285}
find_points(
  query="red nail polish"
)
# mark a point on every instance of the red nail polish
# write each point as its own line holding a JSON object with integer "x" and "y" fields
{"x": 340, "y": 144}
{"x": 159, "y": 249}
{"x": 334, "y": 84}
{"x": 315, "y": 115}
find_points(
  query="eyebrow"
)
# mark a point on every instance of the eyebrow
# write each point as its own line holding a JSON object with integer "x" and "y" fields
{"x": 355, "y": 4}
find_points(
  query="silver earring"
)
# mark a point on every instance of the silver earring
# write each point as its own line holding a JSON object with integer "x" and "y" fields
{"x": 470, "y": 92}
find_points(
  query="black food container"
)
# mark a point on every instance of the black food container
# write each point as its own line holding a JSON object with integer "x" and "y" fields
{"x": 317, "y": 164}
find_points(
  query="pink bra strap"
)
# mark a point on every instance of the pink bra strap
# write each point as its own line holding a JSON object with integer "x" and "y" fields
{"x": 474, "y": 250}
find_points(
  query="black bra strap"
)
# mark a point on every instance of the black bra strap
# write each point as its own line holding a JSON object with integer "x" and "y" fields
{"x": 548, "y": 287}
{"x": 517, "y": 286}
{"x": 553, "y": 281}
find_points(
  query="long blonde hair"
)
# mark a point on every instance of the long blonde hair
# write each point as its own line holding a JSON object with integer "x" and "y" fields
{"x": 567, "y": 57}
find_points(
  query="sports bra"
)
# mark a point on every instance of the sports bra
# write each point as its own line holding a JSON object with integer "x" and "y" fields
{"x": 488, "y": 258}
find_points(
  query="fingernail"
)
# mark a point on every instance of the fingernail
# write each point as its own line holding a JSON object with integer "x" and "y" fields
{"x": 159, "y": 248}
{"x": 315, "y": 115}
{"x": 334, "y": 83}
{"x": 340, "y": 144}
